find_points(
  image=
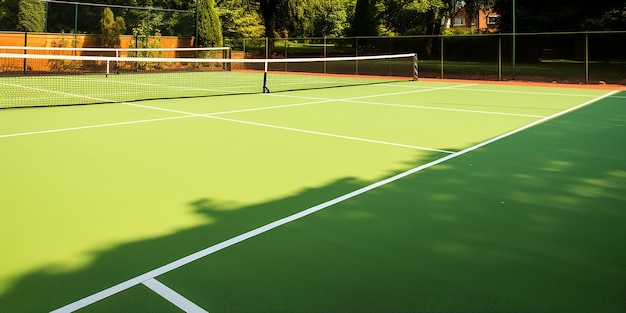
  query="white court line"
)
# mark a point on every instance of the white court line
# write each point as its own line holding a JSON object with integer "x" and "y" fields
{"x": 444, "y": 109}
{"x": 538, "y": 93}
{"x": 411, "y": 91}
{"x": 508, "y": 91}
{"x": 255, "y": 232}
{"x": 268, "y": 108}
{"x": 211, "y": 115}
{"x": 371, "y": 96}
{"x": 173, "y": 296}
{"x": 354, "y": 100}
{"x": 329, "y": 134}
{"x": 94, "y": 126}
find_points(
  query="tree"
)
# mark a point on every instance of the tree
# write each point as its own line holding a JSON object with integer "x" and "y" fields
{"x": 612, "y": 19}
{"x": 240, "y": 19}
{"x": 410, "y": 17}
{"x": 295, "y": 17}
{"x": 313, "y": 18}
{"x": 111, "y": 28}
{"x": 333, "y": 20}
{"x": 557, "y": 15}
{"x": 365, "y": 22}
{"x": 268, "y": 9}
{"x": 209, "y": 26}
{"x": 29, "y": 15}
{"x": 7, "y": 21}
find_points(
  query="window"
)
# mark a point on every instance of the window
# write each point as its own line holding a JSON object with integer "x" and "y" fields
{"x": 493, "y": 19}
{"x": 459, "y": 21}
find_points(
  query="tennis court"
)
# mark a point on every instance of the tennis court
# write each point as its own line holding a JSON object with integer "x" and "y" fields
{"x": 398, "y": 196}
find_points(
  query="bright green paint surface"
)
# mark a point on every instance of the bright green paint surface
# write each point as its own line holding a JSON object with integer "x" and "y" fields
{"x": 84, "y": 209}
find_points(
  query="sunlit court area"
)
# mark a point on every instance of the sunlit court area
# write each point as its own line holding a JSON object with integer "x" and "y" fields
{"x": 480, "y": 169}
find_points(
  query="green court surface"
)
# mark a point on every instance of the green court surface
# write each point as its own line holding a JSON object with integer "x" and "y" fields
{"x": 390, "y": 197}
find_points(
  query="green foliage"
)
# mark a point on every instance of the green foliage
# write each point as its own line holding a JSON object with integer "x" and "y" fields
{"x": 30, "y": 16}
{"x": 209, "y": 25}
{"x": 111, "y": 28}
{"x": 61, "y": 16}
{"x": 460, "y": 31}
{"x": 66, "y": 41}
{"x": 562, "y": 15}
{"x": 2, "y": 8}
{"x": 7, "y": 21}
{"x": 239, "y": 19}
{"x": 333, "y": 20}
{"x": 147, "y": 27}
{"x": 146, "y": 36}
{"x": 409, "y": 17}
{"x": 313, "y": 18}
{"x": 22, "y": 15}
{"x": 612, "y": 19}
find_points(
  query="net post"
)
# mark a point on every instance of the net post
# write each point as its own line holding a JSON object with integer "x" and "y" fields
{"x": 108, "y": 68}
{"x": 117, "y": 63}
{"x": 415, "y": 68}
{"x": 228, "y": 54}
{"x": 265, "y": 89}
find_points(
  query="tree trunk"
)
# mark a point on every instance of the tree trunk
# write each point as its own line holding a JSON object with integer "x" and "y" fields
{"x": 268, "y": 8}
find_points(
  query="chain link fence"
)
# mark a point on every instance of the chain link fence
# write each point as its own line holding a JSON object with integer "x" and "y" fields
{"x": 573, "y": 57}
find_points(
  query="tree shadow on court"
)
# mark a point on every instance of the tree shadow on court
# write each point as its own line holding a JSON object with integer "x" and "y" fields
{"x": 530, "y": 223}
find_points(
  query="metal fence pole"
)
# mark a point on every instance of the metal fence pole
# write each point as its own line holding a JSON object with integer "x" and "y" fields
{"x": 513, "y": 52}
{"x": 499, "y": 57}
{"x": 441, "y": 39}
{"x": 75, "y": 19}
{"x": 25, "y": 50}
{"x": 197, "y": 31}
{"x": 325, "y": 53}
{"x": 356, "y": 44}
{"x": 586, "y": 58}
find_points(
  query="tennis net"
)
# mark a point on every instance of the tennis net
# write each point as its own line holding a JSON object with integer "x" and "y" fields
{"x": 35, "y": 80}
